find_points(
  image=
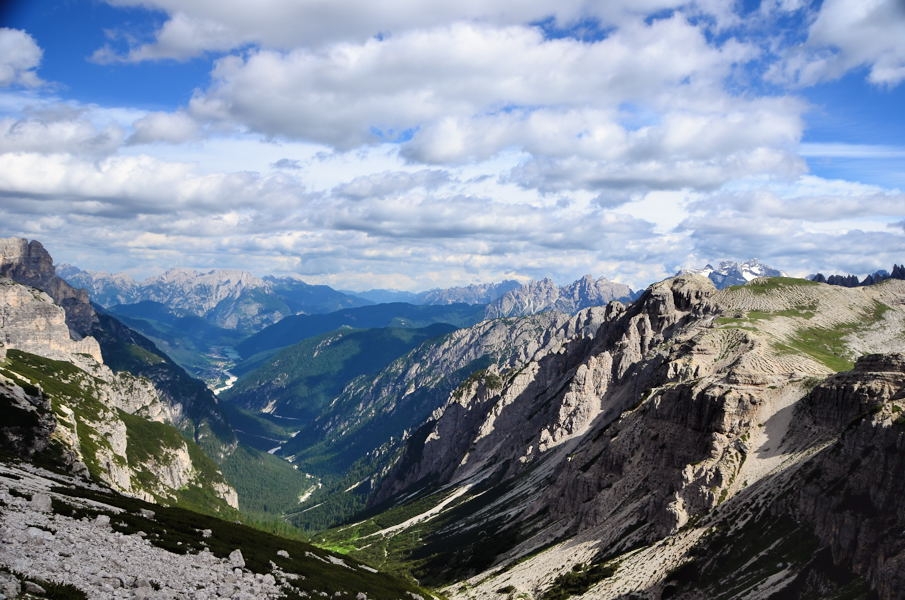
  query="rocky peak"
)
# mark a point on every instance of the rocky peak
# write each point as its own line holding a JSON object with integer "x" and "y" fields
{"x": 483, "y": 293}
{"x": 539, "y": 296}
{"x": 729, "y": 272}
{"x": 29, "y": 263}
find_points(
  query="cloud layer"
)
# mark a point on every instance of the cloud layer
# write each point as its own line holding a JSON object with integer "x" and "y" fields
{"x": 415, "y": 145}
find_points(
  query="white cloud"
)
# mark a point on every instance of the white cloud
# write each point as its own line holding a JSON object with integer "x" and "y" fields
{"x": 49, "y": 134}
{"x": 173, "y": 128}
{"x": 467, "y": 91}
{"x": 197, "y": 26}
{"x": 845, "y": 35}
{"x": 20, "y": 56}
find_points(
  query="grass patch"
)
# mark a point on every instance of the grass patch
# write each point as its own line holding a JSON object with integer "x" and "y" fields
{"x": 826, "y": 346}
{"x": 765, "y": 285}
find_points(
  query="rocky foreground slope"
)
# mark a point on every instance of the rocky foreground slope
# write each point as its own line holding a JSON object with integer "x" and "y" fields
{"x": 64, "y": 538}
{"x": 680, "y": 440}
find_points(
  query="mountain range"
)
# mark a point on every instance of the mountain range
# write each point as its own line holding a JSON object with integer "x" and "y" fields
{"x": 730, "y": 272}
{"x": 723, "y": 434}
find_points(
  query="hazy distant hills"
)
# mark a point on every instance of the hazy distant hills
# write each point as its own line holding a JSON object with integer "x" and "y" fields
{"x": 228, "y": 299}
{"x": 395, "y": 314}
{"x": 483, "y": 293}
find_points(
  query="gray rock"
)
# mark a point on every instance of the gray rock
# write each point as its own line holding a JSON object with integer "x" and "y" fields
{"x": 102, "y": 520}
{"x": 30, "y": 587}
{"x": 236, "y": 560}
{"x": 41, "y": 503}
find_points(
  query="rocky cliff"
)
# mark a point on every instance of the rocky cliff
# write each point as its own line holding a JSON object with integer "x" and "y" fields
{"x": 191, "y": 406}
{"x": 29, "y": 263}
{"x": 110, "y": 425}
{"x": 627, "y": 447}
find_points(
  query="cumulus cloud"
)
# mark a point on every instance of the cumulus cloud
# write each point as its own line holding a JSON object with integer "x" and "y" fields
{"x": 849, "y": 34}
{"x": 197, "y": 26}
{"x": 425, "y": 144}
{"x": 20, "y": 56}
{"x": 389, "y": 184}
{"x": 48, "y": 133}
{"x": 466, "y": 91}
{"x": 172, "y": 128}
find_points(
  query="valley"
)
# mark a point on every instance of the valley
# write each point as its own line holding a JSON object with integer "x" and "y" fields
{"x": 726, "y": 434}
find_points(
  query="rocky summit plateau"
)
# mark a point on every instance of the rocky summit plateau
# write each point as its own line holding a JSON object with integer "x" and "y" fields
{"x": 729, "y": 433}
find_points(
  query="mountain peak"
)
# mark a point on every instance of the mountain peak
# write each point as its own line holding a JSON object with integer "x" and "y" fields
{"x": 732, "y": 272}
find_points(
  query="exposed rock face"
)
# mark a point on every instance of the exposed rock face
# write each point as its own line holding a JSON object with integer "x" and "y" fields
{"x": 90, "y": 402}
{"x": 544, "y": 295}
{"x": 484, "y": 293}
{"x": 27, "y": 421}
{"x": 30, "y": 321}
{"x": 191, "y": 406}
{"x": 29, "y": 263}
{"x": 678, "y": 404}
{"x": 851, "y": 492}
{"x": 490, "y": 352}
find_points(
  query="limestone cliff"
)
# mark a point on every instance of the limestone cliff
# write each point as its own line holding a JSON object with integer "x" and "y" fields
{"x": 677, "y": 409}
{"x": 191, "y": 406}
{"x": 29, "y": 263}
{"x": 110, "y": 425}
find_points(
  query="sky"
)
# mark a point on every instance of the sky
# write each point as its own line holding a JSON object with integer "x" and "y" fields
{"x": 420, "y": 144}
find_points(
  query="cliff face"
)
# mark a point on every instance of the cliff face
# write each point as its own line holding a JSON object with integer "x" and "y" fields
{"x": 105, "y": 424}
{"x": 679, "y": 408}
{"x": 30, "y": 321}
{"x": 191, "y": 406}
{"x": 851, "y": 491}
{"x": 29, "y": 263}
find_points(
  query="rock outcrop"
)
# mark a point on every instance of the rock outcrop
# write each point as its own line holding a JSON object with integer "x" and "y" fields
{"x": 31, "y": 321}
{"x": 678, "y": 405}
{"x": 29, "y": 263}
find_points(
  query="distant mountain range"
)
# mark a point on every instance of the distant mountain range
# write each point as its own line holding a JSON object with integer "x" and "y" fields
{"x": 228, "y": 299}
{"x": 729, "y": 273}
{"x": 482, "y": 293}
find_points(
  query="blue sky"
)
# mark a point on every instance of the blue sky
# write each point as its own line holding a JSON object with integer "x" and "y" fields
{"x": 413, "y": 145}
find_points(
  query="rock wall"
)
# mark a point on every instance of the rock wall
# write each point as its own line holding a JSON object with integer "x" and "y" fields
{"x": 31, "y": 321}
{"x": 851, "y": 493}
{"x": 87, "y": 400}
{"x": 29, "y": 263}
